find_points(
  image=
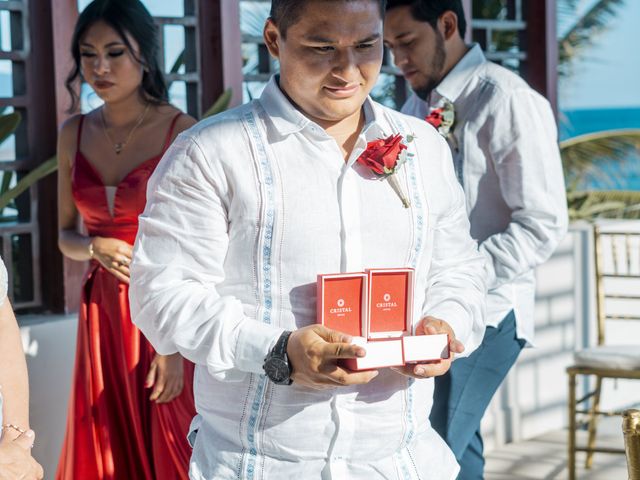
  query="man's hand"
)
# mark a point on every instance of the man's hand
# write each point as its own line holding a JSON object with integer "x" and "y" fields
{"x": 314, "y": 352}
{"x": 433, "y": 326}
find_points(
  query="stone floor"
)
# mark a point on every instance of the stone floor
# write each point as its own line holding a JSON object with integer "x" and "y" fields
{"x": 545, "y": 457}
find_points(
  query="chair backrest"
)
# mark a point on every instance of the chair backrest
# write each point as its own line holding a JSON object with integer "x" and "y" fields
{"x": 617, "y": 269}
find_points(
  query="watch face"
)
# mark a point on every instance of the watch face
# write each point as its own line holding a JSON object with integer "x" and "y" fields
{"x": 277, "y": 369}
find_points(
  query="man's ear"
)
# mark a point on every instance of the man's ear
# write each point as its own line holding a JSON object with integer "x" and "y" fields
{"x": 448, "y": 24}
{"x": 272, "y": 37}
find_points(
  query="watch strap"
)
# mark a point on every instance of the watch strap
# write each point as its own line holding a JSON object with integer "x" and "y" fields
{"x": 280, "y": 348}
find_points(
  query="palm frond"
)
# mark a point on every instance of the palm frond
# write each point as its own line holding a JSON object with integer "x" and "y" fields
{"x": 489, "y": 9}
{"x": 582, "y": 33}
{"x": 221, "y": 104}
{"x": 601, "y": 155}
{"x": 252, "y": 17}
{"x": 9, "y": 124}
{"x": 28, "y": 180}
{"x": 590, "y": 205}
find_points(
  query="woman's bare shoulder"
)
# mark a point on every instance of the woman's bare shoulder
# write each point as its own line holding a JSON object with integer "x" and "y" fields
{"x": 183, "y": 122}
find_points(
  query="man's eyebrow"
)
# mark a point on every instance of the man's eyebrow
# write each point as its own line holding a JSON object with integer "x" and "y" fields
{"x": 403, "y": 34}
{"x": 370, "y": 38}
{"x": 321, "y": 39}
{"x": 318, "y": 39}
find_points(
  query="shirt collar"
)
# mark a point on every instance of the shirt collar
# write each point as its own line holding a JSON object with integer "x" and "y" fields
{"x": 457, "y": 79}
{"x": 287, "y": 119}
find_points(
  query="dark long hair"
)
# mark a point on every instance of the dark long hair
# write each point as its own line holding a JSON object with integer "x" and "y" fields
{"x": 125, "y": 17}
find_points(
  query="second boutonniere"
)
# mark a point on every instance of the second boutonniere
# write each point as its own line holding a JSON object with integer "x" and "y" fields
{"x": 443, "y": 119}
{"x": 384, "y": 157}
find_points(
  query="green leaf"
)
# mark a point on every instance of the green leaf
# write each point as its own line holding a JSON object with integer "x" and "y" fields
{"x": 9, "y": 124}
{"x": 220, "y": 105}
{"x": 43, "y": 170}
{"x": 178, "y": 63}
{"x": 7, "y": 176}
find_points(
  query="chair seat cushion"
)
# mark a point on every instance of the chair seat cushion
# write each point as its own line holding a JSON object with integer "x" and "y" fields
{"x": 620, "y": 357}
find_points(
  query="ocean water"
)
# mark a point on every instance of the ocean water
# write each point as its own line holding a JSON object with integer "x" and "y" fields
{"x": 624, "y": 175}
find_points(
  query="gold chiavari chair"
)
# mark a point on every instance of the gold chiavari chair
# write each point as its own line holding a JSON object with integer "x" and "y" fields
{"x": 631, "y": 432}
{"x": 617, "y": 275}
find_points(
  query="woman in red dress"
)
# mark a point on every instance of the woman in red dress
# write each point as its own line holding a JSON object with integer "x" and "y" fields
{"x": 130, "y": 408}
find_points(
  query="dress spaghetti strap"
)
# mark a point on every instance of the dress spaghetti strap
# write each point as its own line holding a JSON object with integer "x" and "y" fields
{"x": 167, "y": 140}
{"x": 79, "y": 133}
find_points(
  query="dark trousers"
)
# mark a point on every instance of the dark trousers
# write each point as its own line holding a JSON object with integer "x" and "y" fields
{"x": 462, "y": 395}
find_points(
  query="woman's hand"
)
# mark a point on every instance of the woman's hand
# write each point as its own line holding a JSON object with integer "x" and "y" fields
{"x": 166, "y": 376}
{"x": 16, "y": 462}
{"x": 114, "y": 255}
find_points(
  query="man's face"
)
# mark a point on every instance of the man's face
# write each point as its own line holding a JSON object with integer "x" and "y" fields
{"x": 418, "y": 50}
{"x": 330, "y": 58}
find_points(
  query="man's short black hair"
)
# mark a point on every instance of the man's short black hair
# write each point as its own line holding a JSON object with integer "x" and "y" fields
{"x": 285, "y": 13}
{"x": 430, "y": 11}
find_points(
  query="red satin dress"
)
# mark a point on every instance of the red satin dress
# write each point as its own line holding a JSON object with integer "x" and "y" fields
{"x": 113, "y": 431}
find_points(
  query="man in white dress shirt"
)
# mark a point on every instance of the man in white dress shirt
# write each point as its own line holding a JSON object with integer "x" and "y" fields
{"x": 247, "y": 208}
{"x": 504, "y": 144}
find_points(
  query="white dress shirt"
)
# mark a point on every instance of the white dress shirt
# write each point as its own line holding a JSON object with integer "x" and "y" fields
{"x": 507, "y": 159}
{"x": 243, "y": 212}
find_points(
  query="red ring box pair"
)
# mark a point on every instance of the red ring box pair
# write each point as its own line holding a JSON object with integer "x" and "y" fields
{"x": 375, "y": 308}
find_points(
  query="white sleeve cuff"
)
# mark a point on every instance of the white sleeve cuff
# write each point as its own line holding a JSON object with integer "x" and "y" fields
{"x": 255, "y": 340}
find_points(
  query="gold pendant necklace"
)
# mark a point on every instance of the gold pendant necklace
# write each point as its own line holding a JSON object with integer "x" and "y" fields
{"x": 119, "y": 146}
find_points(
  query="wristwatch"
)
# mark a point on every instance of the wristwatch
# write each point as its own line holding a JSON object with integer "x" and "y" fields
{"x": 276, "y": 363}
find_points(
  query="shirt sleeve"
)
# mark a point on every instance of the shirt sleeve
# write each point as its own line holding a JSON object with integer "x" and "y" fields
{"x": 178, "y": 262}
{"x": 525, "y": 153}
{"x": 456, "y": 287}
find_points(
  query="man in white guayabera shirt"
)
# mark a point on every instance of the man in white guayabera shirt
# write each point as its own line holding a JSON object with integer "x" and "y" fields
{"x": 504, "y": 143}
{"x": 247, "y": 208}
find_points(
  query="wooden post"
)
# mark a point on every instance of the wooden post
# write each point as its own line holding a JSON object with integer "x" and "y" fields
{"x": 219, "y": 50}
{"x": 541, "y": 67}
{"x": 64, "y": 14}
{"x": 571, "y": 442}
{"x": 40, "y": 123}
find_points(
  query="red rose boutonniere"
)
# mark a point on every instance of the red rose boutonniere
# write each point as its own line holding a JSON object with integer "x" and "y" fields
{"x": 443, "y": 119}
{"x": 384, "y": 157}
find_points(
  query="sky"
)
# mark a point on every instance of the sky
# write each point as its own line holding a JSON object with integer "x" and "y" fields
{"x": 608, "y": 76}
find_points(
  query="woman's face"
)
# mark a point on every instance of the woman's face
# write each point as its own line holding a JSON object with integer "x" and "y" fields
{"x": 108, "y": 65}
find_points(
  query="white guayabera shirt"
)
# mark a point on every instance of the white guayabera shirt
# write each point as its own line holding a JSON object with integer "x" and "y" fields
{"x": 506, "y": 157}
{"x": 243, "y": 212}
